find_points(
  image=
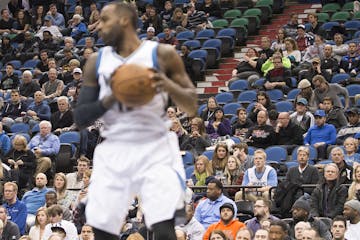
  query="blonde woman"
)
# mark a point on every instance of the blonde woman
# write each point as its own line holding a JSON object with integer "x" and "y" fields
{"x": 350, "y": 155}
{"x": 64, "y": 197}
{"x": 233, "y": 174}
{"x": 37, "y": 231}
{"x": 354, "y": 188}
{"x": 202, "y": 170}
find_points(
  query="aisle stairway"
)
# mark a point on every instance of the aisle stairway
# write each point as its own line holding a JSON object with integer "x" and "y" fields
{"x": 216, "y": 78}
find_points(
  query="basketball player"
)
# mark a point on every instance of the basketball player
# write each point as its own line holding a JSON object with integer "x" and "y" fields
{"x": 139, "y": 155}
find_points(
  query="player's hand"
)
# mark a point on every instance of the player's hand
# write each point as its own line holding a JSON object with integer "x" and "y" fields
{"x": 161, "y": 81}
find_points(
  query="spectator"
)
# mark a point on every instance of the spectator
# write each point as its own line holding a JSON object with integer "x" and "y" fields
{"x": 288, "y": 133}
{"x": 303, "y": 39}
{"x": 69, "y": 43}
{"x": 54, "y": 87}
{"x": 188, "y": 61}
{"x": 55, "y": 214}
{"x": 315, "y": 50}
{"x": 202, "y": 171}
{"x": 261, "y": 234}
{"x": 78, "y": 28}
{"x": 15, "y": 208}
{"x": 279, "y": 43}
{"x": 169, "y": 38}
{"x": 89, "y": 43}
{"x": 261, "y": 135}
{"x": 218, "y": 234}
{"x": 338, "y": 228}
{"x": 334, "y": 115}
{"x": 7, "y": 51}
{"x": 69, "y": 65}
{"x": 154, "y": 21}
{"x": 219, "y": 160}
{"x": 50, "y": 28}
{"x": 194, "y": 230}
{"x": 268, "y": 65}
{"x": 38, "y": 110}
{"x": 266, "y": 52}
{"x": 328, "y": 198}
{"x": 5, "y": 142}
{"x": 196, "y": 20}
{"x": 334, "y": 91}
{"x": 304, "y": 173}
{"x": 63, "y": 119}
{"x": 167, "y": 12}
{"x": 28, "y": 87}
{"x": 301, "y": 117}
{"x": 345, "y": 170}
{"x": 209, "y": 112}
{"x": 241, "y": 151}
{"x": 48, "y": 43}
{"x": 350, "y": 63}
{"x": 207, "y": 212}
{"x": 10, "y": 229}
{"x": 37, "y": 231}
{"x": 261, "y": 175}
{"x": 220, "y": 126}
{"x": 9, "y": 81}
{"x": 247, "y": 68}
{"x": 301, "y": 212}
{"x": 354, "y": 189}
{"x": 291, "y": 27}
{"x": 45, "y": 146}
{"x": 22, "y": 162}
{"x": 339, "y": 49}
{"x": 29, "y": 49}
{"x": 350, "y": 147}
{"x": 87, "y": 233}
{"x": 261, "y": 212}
{"x": 351, "y": 128}
{"x": 227, "y": 222}
{"x": 292, "y": 52}
{"x": 263, "y": 103}
{"x": 233, "y": 174}
{"x": 315, "y": 27}
{"x": 51, "y": 198}
{"x": 35, "y": 198}
{"x": 178, "y": 19}
{"x": 314, "y": 70}
{"x": 150, "y": 35}
{"x": 244, "y": 233}
{"x": 242, "y": 125}
{"x": 86, "y": 54}
{"x": 179, "y": 130}
{"x": 37, "y": 19}
{"x": 212, "y": 10}
{"x": 278, "y": 230}
{"x": 279, "y": 77}
{"x": 352, "y": 213}
{"x": 328, "y": 62}
{"x": 321, "y": 134}
{"x": 74, "y": 179}
{"x": 299, "y": 229}
{"x": 64, "y": 197}
{"x": 21, "y": 25}
{"x": 308, "y": 93}
{"x": 6, "y": 22}
{"x": 14, "y": 110}
{"x": 56, "y": 17}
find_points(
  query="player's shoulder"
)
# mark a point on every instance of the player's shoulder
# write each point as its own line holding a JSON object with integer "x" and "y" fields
{"x": 165, "y": 49}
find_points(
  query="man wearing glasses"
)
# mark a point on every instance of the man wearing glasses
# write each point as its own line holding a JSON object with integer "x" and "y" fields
{"x": 279, "y": 77}
{"x": 261, "y": 212}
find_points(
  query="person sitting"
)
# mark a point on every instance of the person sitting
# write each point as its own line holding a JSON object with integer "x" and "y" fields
{"x": 247, "y": 68}
{"x": 219, "y": 160}
{"x": 233, "y": 174}
{"x": 22, "y": 162}
{"x": 78, "y": 28}
{"x": 352, "y": 214}
{"x": 261, "y": 135}
{"x": 261, "y": 213}
{"x": 315, "y": 69}
{"x": 345, "y": 170}
{"x": 37, "y": 231}
{"x": 28, "y": 87}
{"x": 351, "y": 128}
{"x": 35, "y": 198}
{"x": 288, "y": 133}
{"x": 321, "y": 134}
{"x": 241, "y": 151}
{"x": 197, "y": 141}
{"x": 50, "y": 29}
{"x": 209, "y": 112}
{"x": 334, "y": 115}
{"x": 10, "y": 80}
{"x": 14, "y": 110}
{"x": 169, "y": 38}
{"x": 315, "y": 50}
{"x": 227, "y": 222}
{"x": 207, "y": 212}
{"x": 150, "y": 35}
{"x": 328, "y": 62}
{"x": 350, "y": 63}
{"x": 38, "y": 110}
{"x": 74, "y": 179}
{"x": 340, "y": 49}
{"x": 242, "y": 125}
{"x": 54, "y": 87}
{"x": 220, "y": 126}
{"x": 15, "y": 208}
{"x": 263, "y": 102}
{"x": 64, "y": 197}
{"x": 202, "y": 171}
{"x": 192, "y": 227}
{"x": 48, "y": 43}
{"x": 45, "y": 146}
{"x": 279, "y": 77}
{"x": 328, "y": 198}
{"x": 63, "y": 119}
{"x": 9, "y": 229}
{"x": 51, "y": 198}
{"x": 308, "y": 94}
{"x": 261, "y": 175}
{"x": 351, "y": 157}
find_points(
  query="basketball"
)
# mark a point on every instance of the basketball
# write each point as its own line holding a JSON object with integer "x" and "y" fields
{"x": 132, "y": 84}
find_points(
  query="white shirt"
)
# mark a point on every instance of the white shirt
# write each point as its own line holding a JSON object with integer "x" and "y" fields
{"x": 353, "y": 231}
{"x": 69, "y": 227}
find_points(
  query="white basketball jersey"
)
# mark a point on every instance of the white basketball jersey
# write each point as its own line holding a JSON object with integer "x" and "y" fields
{"x": 136, "y": 124}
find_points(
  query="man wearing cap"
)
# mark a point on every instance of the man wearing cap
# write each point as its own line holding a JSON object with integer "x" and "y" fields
{"x": 315, "y": 69}
{"x": 70, "y": 88}
{"x": 321, "y": 134}
{"x": 352, "y": 213}
{"x": 303, "y": 39}
{"x": 207, "y": 212}
{"x": 150, "y": 35}
{"x": 301, "y": 212}
{"x": 302, "y": 117}
{"x": 52, "y": 29}
{"x": 351, "y": 62}
{"x": 227, "y": 223}
{"x": 351, "y": 128}
{"x": 332, "y": 90}
{"x": 307, "y": 92}
{"x": 334, "y": 115}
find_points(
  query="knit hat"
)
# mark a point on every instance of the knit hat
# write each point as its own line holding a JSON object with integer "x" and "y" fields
{"x": 303, "y": 204}
{"x": 354, "y": 204}
{"x": 228, "y": 205}
{"x": 304, "y": 84}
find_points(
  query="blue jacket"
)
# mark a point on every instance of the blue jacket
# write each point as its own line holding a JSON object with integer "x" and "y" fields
{"x": 17, "y": 213}
{"x": 325, "y": 133}
{"x": 42, "y": 110}
{"x": 34, "y": 199}
{"x": 5, "y": 143}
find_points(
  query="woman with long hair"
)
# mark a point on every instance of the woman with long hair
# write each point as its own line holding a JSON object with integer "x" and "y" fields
{"x": 279, "y": 42}
{"x": 197, "y": 141}
{"x": 21, "y": 25}
{"x": 263, "y": 103}
{"x": 219, "y": 160}
{"x": 37, "y": 20}
{"x": 41, "y": 220}
{"x": 22, "y": 161}
{"x": 64, "y": 197}
{"x": 292, "y": 52}
{"x": 202, "y": 170}
{"x": 217, "y": 235}
{"x": 178, "y": 18}
{"x": 233, "y": 174}
{"x": 220, "y": 126}
{"x": 354, "y": 189}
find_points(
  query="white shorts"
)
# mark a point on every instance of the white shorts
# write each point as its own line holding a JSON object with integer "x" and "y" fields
{"x": 153, "y": 171}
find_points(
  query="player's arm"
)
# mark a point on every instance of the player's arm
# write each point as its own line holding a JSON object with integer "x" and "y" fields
{"x": 174, "y": 79}
{"x": 89, "y": 107}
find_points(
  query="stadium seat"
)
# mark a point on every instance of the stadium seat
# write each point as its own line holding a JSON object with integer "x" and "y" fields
{"x": 241, "y": 27}
{"x": 247, "y": 96}
{"x": 201, "y": 108}
{"x": 161, "y": 35}
{"x": 275, "y": 95}
{"x": 71, "y": 137}
{"x": 259, "y": 83}
{"x": 225, "y": 97}
{"x": 231, "y": 14}
{"x": 35, "y": 129}
{"x": 353, "y": 89}
{"x": 219, "y": 24}
{"x": 16, "y": 64}
{"x": 331, "y": 8}
{"x": 189, "y": 171}
{"x": 284, "y": 106}
{"x": 100, "y": 43}
{"x": 65, "y": 158}
{"x": 266, "y": 8}
{"x": 213, "y": 48}
{"x": 20, "y": 128}
{"x": 29, "y": 64}
{"x": 204, "y": 35}
{"x": 292, "y": 94}
{"x": 81, "y": 42}
{"x": 254, "y": 15}
{"x": 323, "y": 17}
{"x": 188, "y": 158}
{"x": 192, "y": 44}
{"x": 227, "y": 37}
{"x": 236, "y": 140}
{"x": 251, "y": 150}
{"x": 340, "y": 16}
{"x": 26, "y": 135}
{"x": 356, "y": 16}
{"x": 352, "y": 27}
{"x": 239, "y": 85}
{"x": 276, "y": 153}
{"x": 198, "y": 64}
{"x": 340, "y": 78}
{"x": 230, "y": 108}
{"x": 327, "y": 28}
{"x": 209, "y": 154}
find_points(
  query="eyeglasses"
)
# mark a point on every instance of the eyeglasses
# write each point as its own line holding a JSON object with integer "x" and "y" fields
{"x": 258, "y": 206}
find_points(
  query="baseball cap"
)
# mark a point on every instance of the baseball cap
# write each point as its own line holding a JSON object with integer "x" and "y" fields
{"x": 77, "y": 70}
{"x": 304, "y": 84}
{"x": 317, "y": 60}
{"x": 320, "y": 113}
{"x": 302, "y": 101}
{"x": 228, "y": 205}
{"x": 301, "y": 26}
{"x": 150, "y": 29}
{"x": 357, "y": 135}
{"x": 354, "y": 204}
{"x": 58, "y": 229}
{"x": 352, "y": 110}
{"x": 303, "y": 204}
{"x": 47, "y": 18}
